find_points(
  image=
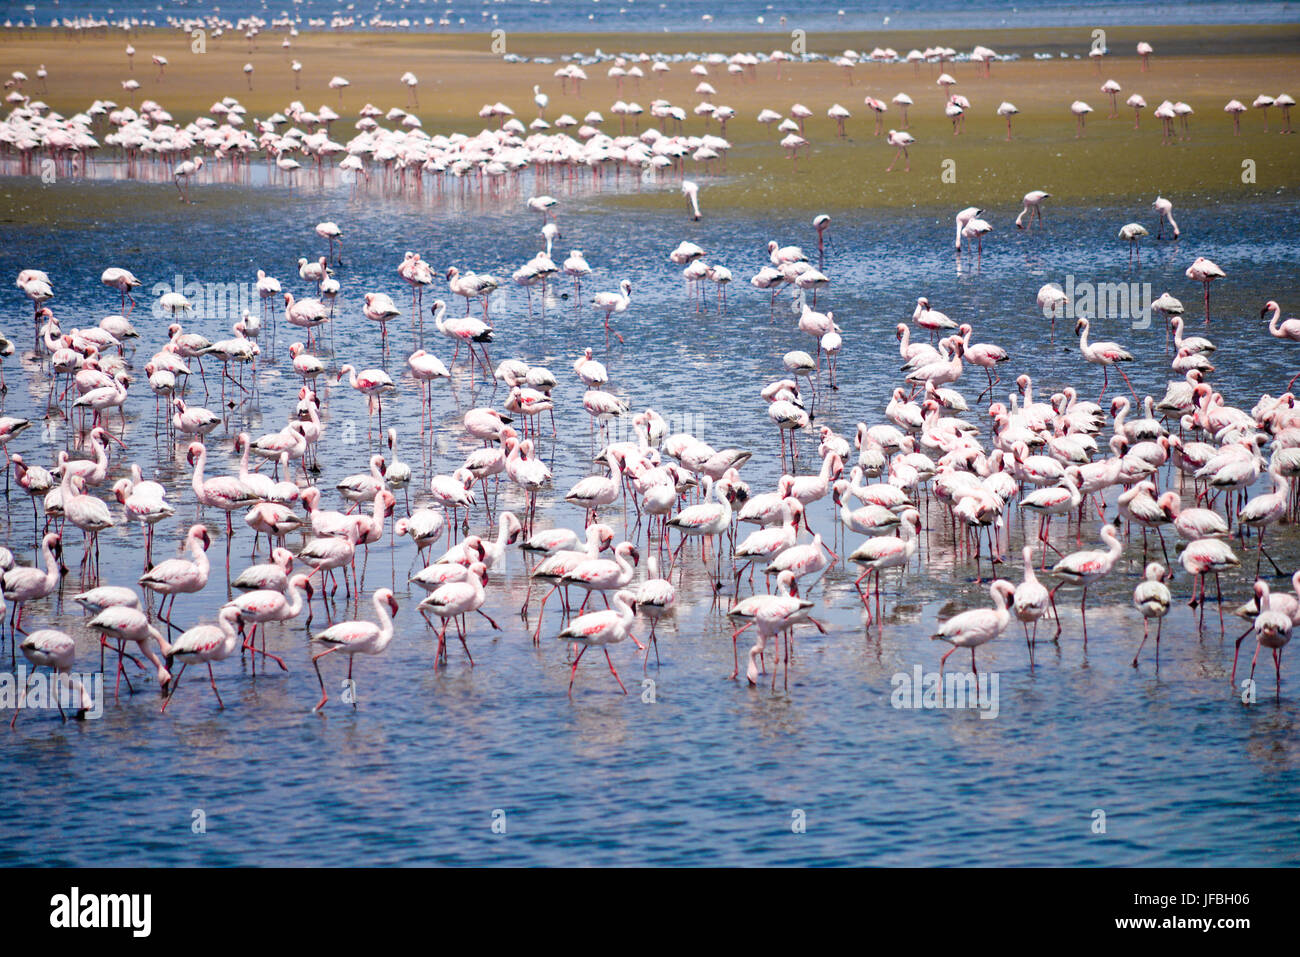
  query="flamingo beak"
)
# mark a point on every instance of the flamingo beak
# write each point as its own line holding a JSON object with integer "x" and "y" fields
{"x": 392, "y": 604}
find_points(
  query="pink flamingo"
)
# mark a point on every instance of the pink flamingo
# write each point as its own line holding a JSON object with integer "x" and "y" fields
{"x": 454, "y": 600}
{"x": 774, "y": 615}
{"x": 1085, "y": 567}
{"x": 1033, "y": 203}
{"x": 223, "y": 491}
{"x": 976, "y": 627}
{"x": 22, "y": 584}
{"x": 1104, "y": 354}
{"x": 901, "y": 141}
{"x": 177, "y": 576}
{"x": 1272, "y": 630}
{"x": 356, "y": 638}
{"x": 601, "y": 629}
{"x": 1205, "y": 272}
{"x": 205, "y": 644}
{"x": 264, "y": 605}
{"x": 1152, "y": 598}
{"x": 887, "y": 551}
{"x": 56, "y": 650}
{"x": 1202, "y": 557}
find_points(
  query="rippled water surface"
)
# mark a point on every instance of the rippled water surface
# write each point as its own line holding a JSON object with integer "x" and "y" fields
{"x": 711, "y": 771}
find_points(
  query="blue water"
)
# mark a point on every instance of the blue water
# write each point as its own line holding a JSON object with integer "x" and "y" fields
{"x": 675, "y": 16}
{"x": 711, "y": 772}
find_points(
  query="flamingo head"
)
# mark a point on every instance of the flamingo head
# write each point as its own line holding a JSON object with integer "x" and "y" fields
{"x": 195, "y": 450}
{"x": 386, "y": 595}
{"x": 1080, "y": 327}
{"x": 1269, "y": 306}
{"x": 201, "y": 533}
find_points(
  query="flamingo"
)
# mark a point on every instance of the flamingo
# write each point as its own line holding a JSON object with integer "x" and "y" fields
{"x": 1152, "y": 598}
{"x": 773, "y": 615}
{"x": 224, "y": 492}
{"x": 1164, "y": 211}
{"x": 123, "y": 280}
{"x": 887, "y": 551}
{"x": 56, "y": 650}
{"x": 976, "y": 627}
{"x": 453, "y": 600}
{"x": 1030, "y": 601}
{"x": 1205, "y": 272}
{"x": 706, "y": 519}
{"x": 1085, "y": 567}
{"x": 1282, "y": 329}
{"x": 356, "y": 637}
{"x": 1080, "y": 110}
{"x": 601, "y": 629}
{"x": 467, "y": 330}
{"x": 21, "y": 585}
{"x": 1272, "y": 630}
{"x": 612, "y": 302}
{"x": 692, "y": 193}
{"x": 204, "y": 644}
{"x": 125, "y": 623}
{"x": 264, "y": 605}
{"x": 1264, "y": 510}
{"x": 902, "y": 141}
{"x": 1200, "y": 558}
{"x": 1131, "y": 233}
{"x": 964, "y": 217}
{"x": 1007, "y": 109}
{"x": 330, "y": 232}
{"x": 1033, "y": 203}
{"x": 374, "y": 384}
{"x": 1104, "y": 354}
{"x": 177, "y": 576}
{"x": 656, "y": 598}
{"x": 87, "y": 512}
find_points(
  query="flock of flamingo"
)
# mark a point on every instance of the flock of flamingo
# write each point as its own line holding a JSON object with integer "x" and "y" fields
{"x": 928, "y": 470}
{"x": 297, "y": 139}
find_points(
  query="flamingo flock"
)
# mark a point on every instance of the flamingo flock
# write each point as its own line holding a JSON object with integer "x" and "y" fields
{"x": 928, "y": 472}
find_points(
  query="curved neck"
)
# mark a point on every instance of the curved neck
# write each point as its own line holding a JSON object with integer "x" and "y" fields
{"x": 294, "y": 597}
{"x": 385, "y": 620}
{"x": 51, "y": 565}
{"x": 199, "y": 554}
{"x": 199, "y": 463}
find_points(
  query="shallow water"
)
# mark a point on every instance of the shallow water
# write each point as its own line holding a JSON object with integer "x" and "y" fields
{"x": 711, "y": 772}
